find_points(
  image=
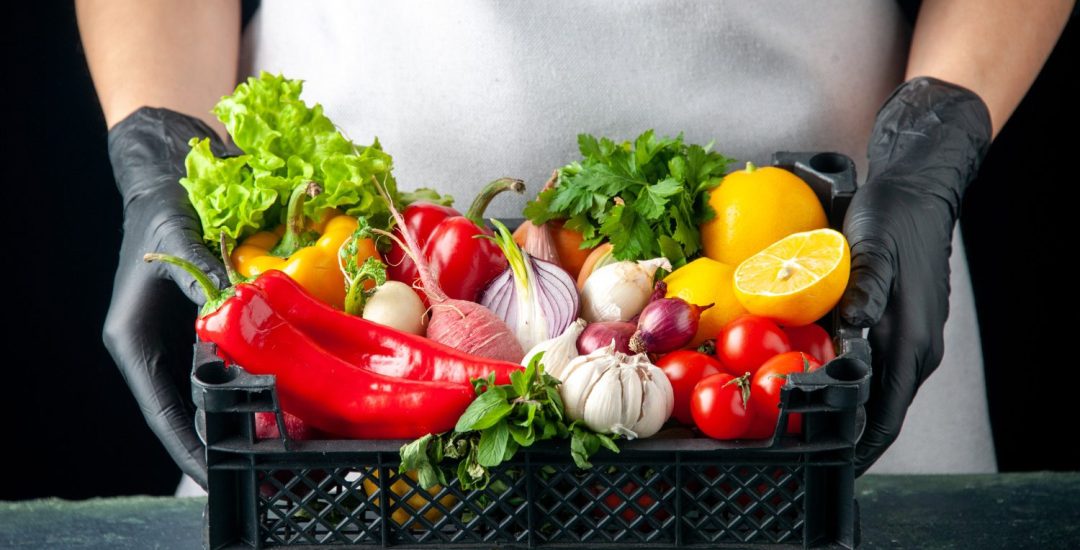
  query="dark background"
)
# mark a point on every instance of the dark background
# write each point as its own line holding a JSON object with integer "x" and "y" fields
{"x": 73, "y": 429}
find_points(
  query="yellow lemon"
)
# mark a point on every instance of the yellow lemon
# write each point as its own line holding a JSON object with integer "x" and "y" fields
{"x": 797, "y": 279}
{"x": 401, "y": 515}
{"x": 756, "y": 207}
{"x": 703, "y": 282}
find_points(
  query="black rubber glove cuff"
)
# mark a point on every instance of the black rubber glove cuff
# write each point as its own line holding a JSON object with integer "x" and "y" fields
{"x": 928, "y": 141}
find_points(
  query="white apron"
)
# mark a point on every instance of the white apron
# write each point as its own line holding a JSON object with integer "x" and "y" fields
{"x": 463, "y": 92}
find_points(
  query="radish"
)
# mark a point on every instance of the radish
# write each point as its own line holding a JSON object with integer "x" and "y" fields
{"x": 460, "y": 324}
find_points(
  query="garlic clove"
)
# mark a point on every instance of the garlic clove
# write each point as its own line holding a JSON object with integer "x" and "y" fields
{"x": 603, "y": 409}
{"x": 558, "y": 351}
{"x": 655, "y": 409}
{"x": 581, "y": 375}
{"x": 632, "y": 393}
{"x": 663, "y": 383}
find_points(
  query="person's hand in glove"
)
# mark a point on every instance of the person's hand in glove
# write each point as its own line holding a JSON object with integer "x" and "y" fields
{"x": 149, "y": 327}
{"x": 925, "y": 149}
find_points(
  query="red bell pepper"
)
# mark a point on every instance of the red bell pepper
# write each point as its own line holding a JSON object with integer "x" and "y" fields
{"x": 372, "y": 346}
{"x": 421, "y": 218}
{"x": 463, "y": 263}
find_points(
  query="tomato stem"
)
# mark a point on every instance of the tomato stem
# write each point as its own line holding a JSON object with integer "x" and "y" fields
{"x": 743, "y": 382}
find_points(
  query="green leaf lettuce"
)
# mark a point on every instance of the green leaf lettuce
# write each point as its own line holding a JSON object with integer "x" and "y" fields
{"x": 285, "y": 143}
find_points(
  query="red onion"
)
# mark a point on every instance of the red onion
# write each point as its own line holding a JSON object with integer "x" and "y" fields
{"x": 598, "y": 335}
{"x": 659, "y": 290}
{"x": 537, "y": 299}
{"x": 666, "y": 325}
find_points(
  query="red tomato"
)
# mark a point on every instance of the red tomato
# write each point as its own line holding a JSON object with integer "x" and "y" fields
{"x": 613, "y": 500}
{"x": 685, "y": 369}
{"x": 813, "y": 340}
{"x": 766, "y": 387}
{"x": 748, "y": 341}
{"x": 720, "y": 406}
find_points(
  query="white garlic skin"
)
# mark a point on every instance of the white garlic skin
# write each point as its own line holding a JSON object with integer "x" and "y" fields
{"x": 614, "y": 393}
{"x": 558, "y": 351}
{"x": 619, "y": 291}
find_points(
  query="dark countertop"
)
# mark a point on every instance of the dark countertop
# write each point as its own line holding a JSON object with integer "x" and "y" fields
{"x": 1030, "y": 510}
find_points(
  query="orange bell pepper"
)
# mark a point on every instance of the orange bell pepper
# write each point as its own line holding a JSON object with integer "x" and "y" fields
{"x": 307, "y": 253}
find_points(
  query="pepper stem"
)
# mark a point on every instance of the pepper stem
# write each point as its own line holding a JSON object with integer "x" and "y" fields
{"x": 226, "y": 259}
{"x": 480, "y": 204}
{"x": 750, "y": 167}
{"x": 208, "y": 286}
{"x": 294, "y": 237}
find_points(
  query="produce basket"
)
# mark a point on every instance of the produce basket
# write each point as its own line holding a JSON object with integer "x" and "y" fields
{"x": 670, "y": 491}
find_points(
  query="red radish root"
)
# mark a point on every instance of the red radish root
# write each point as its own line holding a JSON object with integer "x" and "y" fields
{"x": 460, "y": 324}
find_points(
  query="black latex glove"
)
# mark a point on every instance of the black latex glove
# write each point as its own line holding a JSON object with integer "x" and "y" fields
{"x": 151, "y": 303}
{"x": 927, "y": 143}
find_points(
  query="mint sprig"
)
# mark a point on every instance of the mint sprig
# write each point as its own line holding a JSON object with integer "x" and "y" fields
{"x": 501, "y": 420}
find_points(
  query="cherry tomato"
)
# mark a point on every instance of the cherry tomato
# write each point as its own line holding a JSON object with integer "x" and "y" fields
{"x": 685, "y": 369}
{"x": 720, "y": 405}
{"x": 614, "y": 499}
{"x": 766, "y": 387}
{"x": 813, "y": 340}
{"x": 748, "y": 341}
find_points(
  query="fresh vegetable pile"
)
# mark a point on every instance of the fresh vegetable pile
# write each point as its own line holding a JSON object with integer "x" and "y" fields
{"x": 648, "y": 285}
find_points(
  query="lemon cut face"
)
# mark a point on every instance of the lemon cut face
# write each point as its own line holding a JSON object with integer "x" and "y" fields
{"x": 797, "y": 279}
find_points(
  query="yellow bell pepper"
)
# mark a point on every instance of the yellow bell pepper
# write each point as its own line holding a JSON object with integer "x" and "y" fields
{"x": 402, "y": 515}
{"x": 307, "y": 253}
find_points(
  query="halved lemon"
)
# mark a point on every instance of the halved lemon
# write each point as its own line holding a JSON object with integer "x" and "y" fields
{"x": 797, "y": 279}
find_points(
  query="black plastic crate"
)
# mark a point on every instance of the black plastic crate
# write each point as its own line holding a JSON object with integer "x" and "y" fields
{"x": 670, "y": 491}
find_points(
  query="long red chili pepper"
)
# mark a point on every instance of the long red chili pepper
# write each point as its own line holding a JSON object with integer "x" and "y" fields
{"x": 463, "y": 263}
{"x": 317, "y": 386}
{"x": 372, "y": 346}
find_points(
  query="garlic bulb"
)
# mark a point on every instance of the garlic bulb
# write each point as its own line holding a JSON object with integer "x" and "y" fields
{"x": 619, "y": 291}
{"x": 615, "y": 393}
{"x": 558, "y": 351}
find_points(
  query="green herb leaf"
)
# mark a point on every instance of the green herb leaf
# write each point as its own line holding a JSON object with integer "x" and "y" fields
{"x": 424, "y": 194}
{"x": 672, "y": 251}
{"x": 607, "y": 442}
{"x": 523, "y": 435}
{"x": 662, "y": 185}
{"x": 582, "y": 446}
{"x": 500, "y": 421}
{"x": 415, "y": 456}
{"x": 485, "y": 411}
{"x": 519, "y": 383}
{"x": 493, "y": 444}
